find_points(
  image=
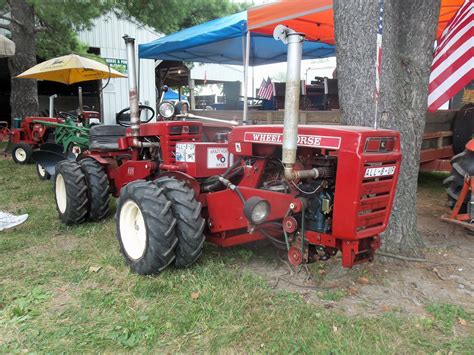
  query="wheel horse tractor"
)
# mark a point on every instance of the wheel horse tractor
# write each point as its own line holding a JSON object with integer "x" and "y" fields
{"x": 68, "y": 132}
{"x": 311, "y": 190}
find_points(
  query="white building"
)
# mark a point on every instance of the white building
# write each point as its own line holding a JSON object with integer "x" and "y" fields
{"x": 106, "y": 36}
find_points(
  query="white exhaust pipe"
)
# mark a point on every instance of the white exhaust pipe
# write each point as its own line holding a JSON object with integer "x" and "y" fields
{"x": 294, "y": 40}
{"x": 133, "y": 91}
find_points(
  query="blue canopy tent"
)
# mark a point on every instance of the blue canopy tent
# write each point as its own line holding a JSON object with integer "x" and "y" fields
{"x": 227, "y": 41}
{"x": 173, "y": 95}
{"x": 222, "y": 41}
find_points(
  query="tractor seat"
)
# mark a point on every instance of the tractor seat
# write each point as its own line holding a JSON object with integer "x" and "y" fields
{"x": 105, "y": 137}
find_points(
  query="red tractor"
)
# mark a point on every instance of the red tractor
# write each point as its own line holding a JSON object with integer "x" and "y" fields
{"x": 30, "y": 133}
{"x": 311, "y": 190}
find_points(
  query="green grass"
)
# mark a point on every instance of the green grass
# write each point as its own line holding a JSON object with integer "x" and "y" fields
{"x": 432, "y": 180}
{"x": 50, "y": 301}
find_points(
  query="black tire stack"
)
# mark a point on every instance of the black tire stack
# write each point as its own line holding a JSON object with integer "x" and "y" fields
{"x": 172, "y": 217}
{"x": 87, "y": 191}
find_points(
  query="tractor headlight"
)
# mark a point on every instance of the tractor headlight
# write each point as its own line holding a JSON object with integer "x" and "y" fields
{"x": 256, "y": 210}
{"x": 166, "y": 109}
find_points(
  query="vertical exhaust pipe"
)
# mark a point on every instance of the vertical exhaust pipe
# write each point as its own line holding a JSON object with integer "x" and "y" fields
{"x": 294, "y": 40}
{"x": 133, "y": 91}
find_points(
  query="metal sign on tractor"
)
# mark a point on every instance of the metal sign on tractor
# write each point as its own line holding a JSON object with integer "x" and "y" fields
{"x": 311, "y": 190}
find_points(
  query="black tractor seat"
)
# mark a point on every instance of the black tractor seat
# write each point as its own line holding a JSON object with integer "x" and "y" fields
{"x": 105, "y": 137}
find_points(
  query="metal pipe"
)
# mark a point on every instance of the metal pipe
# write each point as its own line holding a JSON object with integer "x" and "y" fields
{"x": 133, "y": 93}
{"x": 81, "y": 101}
{"x": 294, "y": 40}
{"x": 51, "y": 105}
{"x": 246, "y": 79}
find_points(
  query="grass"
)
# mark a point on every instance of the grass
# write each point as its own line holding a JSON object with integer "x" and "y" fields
{"x": 53, "y": 299}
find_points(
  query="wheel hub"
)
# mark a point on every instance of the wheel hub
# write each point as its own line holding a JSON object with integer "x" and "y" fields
{"x": 294, "y": 256}
{"x": 20, "y": 154}
{"x": 132, "y": 230}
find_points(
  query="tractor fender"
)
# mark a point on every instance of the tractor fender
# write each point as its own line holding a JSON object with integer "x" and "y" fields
{"x": 188, "y": 179}
{"x": 98, "y": 158}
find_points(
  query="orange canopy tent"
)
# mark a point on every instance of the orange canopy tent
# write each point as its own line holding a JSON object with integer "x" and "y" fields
{"x": 315, "y": 18}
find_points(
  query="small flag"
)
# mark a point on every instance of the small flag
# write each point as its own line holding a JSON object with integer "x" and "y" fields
{"x": 453, "y": 63}
{"x": 378, "y": 64}
{"x": 266, "y": 89}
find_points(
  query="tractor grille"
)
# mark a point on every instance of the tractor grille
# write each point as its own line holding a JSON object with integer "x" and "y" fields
{"x": 376, "y": 194}
{"x": 178, "y": 134}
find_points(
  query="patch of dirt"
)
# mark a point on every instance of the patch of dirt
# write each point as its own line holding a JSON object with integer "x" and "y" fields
{"x": 58, "y": 243}
{"x": 386, "y": 284}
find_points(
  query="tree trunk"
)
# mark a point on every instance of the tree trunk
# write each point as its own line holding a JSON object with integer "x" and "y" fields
{"x": 24, "y": 92}
{"x": 408, "y": 38}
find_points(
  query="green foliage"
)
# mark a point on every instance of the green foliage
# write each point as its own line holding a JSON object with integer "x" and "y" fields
{"x": 59, "y": 20}
{"x": 447, "y": 315}
{"x": 172, "y": 15}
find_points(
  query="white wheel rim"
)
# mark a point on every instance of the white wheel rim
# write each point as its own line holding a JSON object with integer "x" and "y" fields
{"x": 20, "y": 154}
{"x": 41, "y": 170}
{"x": 132, "y": 230}
{"x": 61, "y": 195}
{"x": 76, "y": 150}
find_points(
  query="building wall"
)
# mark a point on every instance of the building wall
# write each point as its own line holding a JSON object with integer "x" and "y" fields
{"x": 106, "y": 34}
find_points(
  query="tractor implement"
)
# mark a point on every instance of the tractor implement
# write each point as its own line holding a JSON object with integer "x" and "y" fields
{"x": 461, "y": 189}
{"x": 312, "y": 190}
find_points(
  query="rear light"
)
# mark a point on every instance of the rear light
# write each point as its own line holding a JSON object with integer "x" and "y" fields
{"x": 379, "y": 145}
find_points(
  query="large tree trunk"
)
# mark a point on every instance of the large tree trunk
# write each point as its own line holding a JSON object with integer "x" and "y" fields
{"x": 409, "y": 33}
{"x": 24, "y": 92}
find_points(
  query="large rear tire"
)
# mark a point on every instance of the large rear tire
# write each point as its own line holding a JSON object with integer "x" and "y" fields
{"x": 145, "y": 228}
{"x": 98, "y": 189}
{"x": 190, "y": 225}
{"x": 70, "y": 192}
{"x": 462, "y": 165}
{"x": 21, "y": 153}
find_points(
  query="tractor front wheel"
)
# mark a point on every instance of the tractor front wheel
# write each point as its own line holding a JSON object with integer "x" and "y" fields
{"x": 21, "y": 153}
{"x": 98, "y": 189}
{"x": 42, "y": 173}
{"x": 70, "y": 192}
{"x": 190, "y": 225}
{"x": 145, "y": 228}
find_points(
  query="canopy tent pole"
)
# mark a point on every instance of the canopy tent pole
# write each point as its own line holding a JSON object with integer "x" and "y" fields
{"x": 246, "y": 81}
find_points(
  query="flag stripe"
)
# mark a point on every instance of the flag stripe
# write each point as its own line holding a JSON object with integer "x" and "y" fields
{"x": 453, "y": 90}
{"x": 453, "y": 39}
{"x": 438, "y": 78}
{"x": 464, "y": 70}
{"x": 456, "y": 18}
{"x": 453, "y": 62}
{"x": 450, "y": 59}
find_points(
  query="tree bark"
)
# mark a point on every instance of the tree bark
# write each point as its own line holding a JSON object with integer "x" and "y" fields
{"x": 408, "y": 38}
{"x": 24, "y": 92}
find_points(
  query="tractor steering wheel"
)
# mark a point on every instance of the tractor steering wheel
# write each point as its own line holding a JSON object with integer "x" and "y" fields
{"x": 65, "y": 115}
{"x": 123, "y": 119}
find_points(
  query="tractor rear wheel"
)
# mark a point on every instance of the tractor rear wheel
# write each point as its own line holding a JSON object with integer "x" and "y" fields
{"x": 21, "y": 153}
{"x": 42, "y": 173}
{"x": 462, "y": 165}
{"x": 70, "y": 192}
{"x": 98, "y": 189}
{"x": 190, "y": 225}
{"x": 145, "y": 227}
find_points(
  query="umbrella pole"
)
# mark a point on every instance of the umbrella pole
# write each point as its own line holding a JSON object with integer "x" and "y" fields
{"x": 81, "y": 102}
{"x": 246, "y": 69}
{"x": 51, "y": 105}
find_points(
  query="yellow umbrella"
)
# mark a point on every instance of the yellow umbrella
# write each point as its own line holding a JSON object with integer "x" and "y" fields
{"x": 70, "y": 69}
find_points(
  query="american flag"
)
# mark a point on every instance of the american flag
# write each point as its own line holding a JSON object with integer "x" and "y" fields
{"x": 266, "y": 89}
{"x": 378, "y": 64}
{"x": 453, "y": 63}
